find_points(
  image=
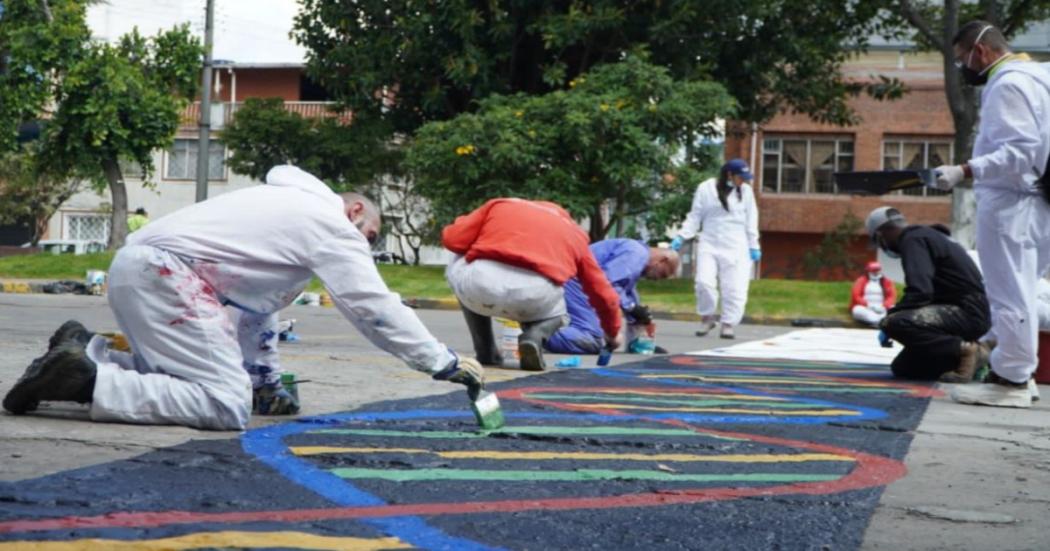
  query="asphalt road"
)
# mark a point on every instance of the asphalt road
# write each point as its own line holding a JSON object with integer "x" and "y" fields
{"x": 978, "y": 477}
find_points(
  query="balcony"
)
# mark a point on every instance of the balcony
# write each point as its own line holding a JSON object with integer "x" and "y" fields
{"x": 222, "y": 112}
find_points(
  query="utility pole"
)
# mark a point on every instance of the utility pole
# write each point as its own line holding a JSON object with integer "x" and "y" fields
{"x": 205, "y": 120}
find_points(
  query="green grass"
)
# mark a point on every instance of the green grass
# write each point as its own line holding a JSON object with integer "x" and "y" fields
{"x": 768, "y": 297}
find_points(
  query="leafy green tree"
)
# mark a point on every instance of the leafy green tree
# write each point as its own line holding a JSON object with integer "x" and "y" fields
{"x": 934, "y": 24}
{"x": 416, "y": 61}
{"x": 599, "y": 148}
{"x": 29, "y": 195}
{"x": 102, "y": 102}
{"x": 344, "y": 154}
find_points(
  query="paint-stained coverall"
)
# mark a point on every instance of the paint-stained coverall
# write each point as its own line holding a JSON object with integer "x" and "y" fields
{"x": 723, "y": 256}
{"x": 1013, "y": 220}
{"x": 255, "y": 249}
{"x": 623, "y": 261}
{"x": 943, "y": 304}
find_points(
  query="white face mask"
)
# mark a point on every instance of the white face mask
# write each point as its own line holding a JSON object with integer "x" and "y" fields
{"x": 875, "y": 275}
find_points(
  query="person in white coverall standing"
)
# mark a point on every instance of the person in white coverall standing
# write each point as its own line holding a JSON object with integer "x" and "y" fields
{"x": 1013, "y": 219}
{"x": 254, "y": 249}
{"x": 725, "y": 214}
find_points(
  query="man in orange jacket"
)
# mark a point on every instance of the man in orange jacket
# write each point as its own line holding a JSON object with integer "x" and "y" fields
{"x": 513, "y": 256}
{"x": 873, "y": 295}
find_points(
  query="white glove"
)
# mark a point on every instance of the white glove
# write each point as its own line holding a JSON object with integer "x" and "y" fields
{"x": 948, "y": 176}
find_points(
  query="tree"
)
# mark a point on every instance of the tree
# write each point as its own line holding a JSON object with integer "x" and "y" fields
{"x": 30, "y": 195}
{"x": 104, "y": 102}
{"x": 344, "y": 154}
{"x": 599, "y": 148}
{"x": 408, "y": 216}
{"x": 832, "y": 256}
{"x": 935, "y": 23}
{"x": 416, "y": 61}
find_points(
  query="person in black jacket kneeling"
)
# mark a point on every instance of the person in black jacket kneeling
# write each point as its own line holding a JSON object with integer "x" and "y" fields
{"x": 944, "y": 310}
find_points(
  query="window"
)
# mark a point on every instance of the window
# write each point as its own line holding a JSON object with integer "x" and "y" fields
{"x": 182, "y": 160}
{"x": 804, "y": 165}
{"x": 916, "y": 154}
{"x": 87, "y": 227}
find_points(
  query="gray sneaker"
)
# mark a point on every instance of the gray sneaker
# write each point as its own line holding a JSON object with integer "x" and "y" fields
{"x": 706, "y": 326}
{"x": 996, "y": 392}
{"x": 727, "y": 332}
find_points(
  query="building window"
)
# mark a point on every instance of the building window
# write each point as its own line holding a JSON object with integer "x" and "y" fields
{"x": 804, "y": 165}
{"x": 916, "y": 154}
{"x": 87, "y": 227}
{"x": 182, "y": 160}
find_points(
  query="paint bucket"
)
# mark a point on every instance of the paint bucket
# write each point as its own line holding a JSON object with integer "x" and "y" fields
{"x": 289, "y": 384}
{"x": 508, "y": 340}
{"x": 325, "y": 300}
{"x": 96, "y": 281}
{"x": 1042, "y": 371}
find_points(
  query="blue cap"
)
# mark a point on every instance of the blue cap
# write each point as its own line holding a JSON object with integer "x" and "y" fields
{"x": 738, "y": 167}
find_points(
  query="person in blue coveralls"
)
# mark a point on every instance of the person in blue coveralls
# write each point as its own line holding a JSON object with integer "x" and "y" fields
{"x": 624, "y": 262}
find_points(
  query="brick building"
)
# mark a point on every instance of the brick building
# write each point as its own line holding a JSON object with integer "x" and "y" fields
{"x": 794, "y": 158}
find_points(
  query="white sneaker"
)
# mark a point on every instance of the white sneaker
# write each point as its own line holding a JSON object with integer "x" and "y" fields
{"x": 1033, "y": 389}
{"x": 992, "y": 394}
{"x": 705, "y": 327}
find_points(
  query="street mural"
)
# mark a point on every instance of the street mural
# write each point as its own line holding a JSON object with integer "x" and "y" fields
{"x": 676, "y": 452}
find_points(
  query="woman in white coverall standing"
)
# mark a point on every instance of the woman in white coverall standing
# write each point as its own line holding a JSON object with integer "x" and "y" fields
{"x": 725, "y": 214}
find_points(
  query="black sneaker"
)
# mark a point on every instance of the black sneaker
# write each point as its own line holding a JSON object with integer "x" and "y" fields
{"x": 63, "y": 374}
{"x": 71, "y": 330}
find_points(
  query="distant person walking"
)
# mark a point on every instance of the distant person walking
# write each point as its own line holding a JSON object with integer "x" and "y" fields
{"x": 137, "y": 220}
{"x": 725, "y": 214}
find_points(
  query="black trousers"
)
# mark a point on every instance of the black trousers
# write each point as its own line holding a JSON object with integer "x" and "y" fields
{"x": 931, "y": 337}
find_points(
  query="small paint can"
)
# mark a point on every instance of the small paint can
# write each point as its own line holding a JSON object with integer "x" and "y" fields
{"x": 508, "y": 342}
{"x": 289, "y": 384}
{"x": 96, "y": 281}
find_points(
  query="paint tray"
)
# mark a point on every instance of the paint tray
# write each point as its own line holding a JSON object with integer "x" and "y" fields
{"x": 881, "y": 182}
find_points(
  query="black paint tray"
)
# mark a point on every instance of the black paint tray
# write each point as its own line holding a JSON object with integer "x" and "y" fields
{"x": 881, "y": 182}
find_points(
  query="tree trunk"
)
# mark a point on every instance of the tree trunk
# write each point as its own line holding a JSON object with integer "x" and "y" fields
{"x": 962, "y": 102}
{"x": 597, "y": 231}
{"x": 415, "y": 253}
{"x": 118, "y": 222}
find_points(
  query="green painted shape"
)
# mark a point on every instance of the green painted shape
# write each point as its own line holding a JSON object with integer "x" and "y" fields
{"x": 580, "y": 475}
{"x": 695, "y": 403}
{"x": 535, "y": 430}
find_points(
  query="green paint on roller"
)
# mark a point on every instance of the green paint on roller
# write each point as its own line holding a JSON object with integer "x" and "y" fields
{"x": 579, "y": 475}
{"x": 487, "y": 411}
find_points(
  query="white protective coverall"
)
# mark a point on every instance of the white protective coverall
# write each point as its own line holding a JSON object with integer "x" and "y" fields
{"x": 255, "y": 249}
{"x": 1013, "y": 220}
{"x": 723, "y": 257}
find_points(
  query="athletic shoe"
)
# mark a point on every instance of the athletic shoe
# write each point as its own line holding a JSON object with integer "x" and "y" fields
{"x": 727, "y": 332}
{"x": 706, "y": 326}
{"x": 995, "y": 391}
{"x": 1033, "y": 389}
{"x": 65, "y": 373}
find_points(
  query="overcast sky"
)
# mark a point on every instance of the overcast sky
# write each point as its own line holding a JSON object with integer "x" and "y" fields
{"x": 246, "y": 31}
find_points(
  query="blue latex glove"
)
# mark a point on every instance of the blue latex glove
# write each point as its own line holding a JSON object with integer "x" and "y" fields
{"x": 676, "y": 243}
{"x": 756, "y": 255}
{"x": 884, "y": 340}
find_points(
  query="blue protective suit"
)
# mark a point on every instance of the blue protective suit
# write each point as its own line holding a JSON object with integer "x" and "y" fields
{"x": 623, "y": 261}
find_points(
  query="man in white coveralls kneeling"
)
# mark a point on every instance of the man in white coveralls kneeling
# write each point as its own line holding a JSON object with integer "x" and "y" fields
{"x": 254, "y": 249}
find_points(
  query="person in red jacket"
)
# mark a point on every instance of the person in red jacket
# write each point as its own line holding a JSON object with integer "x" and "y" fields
{"x": 873, "y": 295}
{"x": 512, "y": 258}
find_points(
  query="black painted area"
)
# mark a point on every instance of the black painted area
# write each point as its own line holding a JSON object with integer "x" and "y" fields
{"x": 218, "y": 476}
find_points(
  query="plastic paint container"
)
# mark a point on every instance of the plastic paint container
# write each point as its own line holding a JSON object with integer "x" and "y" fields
{"x": 288, "y": 382}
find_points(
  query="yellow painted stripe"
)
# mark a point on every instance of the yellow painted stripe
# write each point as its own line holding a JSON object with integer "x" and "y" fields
{"x": 697, "y": 395}
{"x": 779, "y": 381}
{"x": 231, "y": 539}
{"x": 509, "y": 455}
{"x": 787, "y": 412}
{"x": 16, "y": 287}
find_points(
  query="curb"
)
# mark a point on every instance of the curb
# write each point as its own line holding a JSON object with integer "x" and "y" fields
{"x": 27, "y": 287}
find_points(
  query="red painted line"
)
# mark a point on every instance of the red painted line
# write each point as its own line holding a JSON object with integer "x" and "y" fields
{"x": 869, "y": 471}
